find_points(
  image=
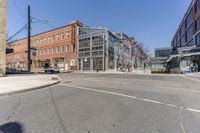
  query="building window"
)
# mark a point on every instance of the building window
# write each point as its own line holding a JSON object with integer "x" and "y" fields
{"x": 197, "y": 6}
{"x": 197, "y": 38}
{"x": 62, "y": 36}
{"x": 74, "y": 48}
{"x": 53, "y": 38}
{"x": 58, "y": 37}
{"x": 62, "y": 49}
{"x": 189, "y": 34}
{"x": 34, "y": 42}
{"x": 41, "y": 41}
{"x": 57, "y": 49}
{"x": 189, "y": 19}
{"x": 67, "y": 35}
{"x": 48, "y": 51}
{"x": 40, "y": 51}
{"x": 45, "y": 51}
{"x": 45, "y": 40}
{"x": 197, "y": 24}
{"x": 183, "y": 29}
{"x": 52, "y": 50}
{"x": 183, "y": 41}
{"x": 67, "y": 48}
{"x": 49, "y": 39}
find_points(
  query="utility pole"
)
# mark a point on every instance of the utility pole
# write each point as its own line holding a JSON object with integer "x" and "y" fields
{"x": 29, "y": 39}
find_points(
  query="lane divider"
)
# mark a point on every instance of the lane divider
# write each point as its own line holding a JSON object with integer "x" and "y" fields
{"x": 134, "y": 97}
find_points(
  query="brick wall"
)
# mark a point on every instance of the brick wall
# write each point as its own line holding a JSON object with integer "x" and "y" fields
{"x": 64, "y": 38}
{"x": 2, "y": 36}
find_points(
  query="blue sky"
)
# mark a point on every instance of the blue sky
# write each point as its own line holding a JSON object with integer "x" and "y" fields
{"x": 152, "y": 22}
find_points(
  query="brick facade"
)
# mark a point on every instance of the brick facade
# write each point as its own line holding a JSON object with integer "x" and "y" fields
{"x": 2, "y": 36}
{"x": 56, "y": 48}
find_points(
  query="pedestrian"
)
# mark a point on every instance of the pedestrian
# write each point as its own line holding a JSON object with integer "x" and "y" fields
{"x": 196, "y": 67}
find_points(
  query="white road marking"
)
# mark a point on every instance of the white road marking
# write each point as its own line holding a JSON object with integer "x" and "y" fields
{"x": 133, "y": 97}
{"x": 172, "y": 105}
{"x": 167, "y": 88}
{"x": 194, "y": 91}
{"x": 123, "y": 95}
{"x": 104, "y": 81}
{"x": 152, "y": 101}
{"x": 178, "y": 89}
{"x": 193, "y": 110}
{"x": 187, "y": 77}
{"x": 181, "y": 119}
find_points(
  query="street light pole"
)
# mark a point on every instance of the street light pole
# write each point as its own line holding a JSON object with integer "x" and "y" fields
{"x": 29, "y": 39}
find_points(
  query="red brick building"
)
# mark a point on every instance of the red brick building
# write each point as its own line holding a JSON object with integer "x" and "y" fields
{"x": 56, "y": 48}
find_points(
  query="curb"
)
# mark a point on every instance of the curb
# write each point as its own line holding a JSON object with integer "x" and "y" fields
{"x": 29, "y": 89}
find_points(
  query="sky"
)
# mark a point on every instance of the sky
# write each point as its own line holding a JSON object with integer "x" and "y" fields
{"x": 152, "y": 22}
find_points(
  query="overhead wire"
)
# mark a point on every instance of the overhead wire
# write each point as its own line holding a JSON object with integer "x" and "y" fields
{"x": 21, "y": 14}
{"x": 19, "y": 31}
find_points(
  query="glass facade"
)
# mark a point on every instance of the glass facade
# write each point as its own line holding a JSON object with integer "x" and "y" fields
{"x": 159, "y": 66}
{"x": 95, "y": 49}
{"x": 189, "y": 19}
{"x": 162, "y": 52}
{"x": 189, "y": 34}
{"x": 183, "y": 29}
{"x": 182, "y": 41}
{"x": 197, "y": 5}
{"x": 197, "y": 38}
{"x": 197, "y": 24}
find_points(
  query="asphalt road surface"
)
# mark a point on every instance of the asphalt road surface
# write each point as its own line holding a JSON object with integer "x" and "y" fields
{"x": 106, "y": 103}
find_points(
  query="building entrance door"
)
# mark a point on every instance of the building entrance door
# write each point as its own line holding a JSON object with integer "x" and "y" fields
{"x": 98, "y": 63}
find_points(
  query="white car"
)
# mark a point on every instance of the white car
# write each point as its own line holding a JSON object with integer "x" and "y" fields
{"x": 52, "y": 70}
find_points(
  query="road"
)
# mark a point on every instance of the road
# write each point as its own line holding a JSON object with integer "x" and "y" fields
{"x": 106, "y": 103}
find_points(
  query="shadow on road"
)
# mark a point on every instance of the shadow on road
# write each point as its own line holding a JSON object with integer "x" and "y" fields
{"x": 12, "y": 127}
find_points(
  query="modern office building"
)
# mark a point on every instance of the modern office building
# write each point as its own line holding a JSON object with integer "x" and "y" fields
{"x": 56, "y": 48}
{"x": 186, "y": 41}
{"x": 163, "y": 52}
{"x": 159, "y": 62}
{"x": 2, "y": 37}
{"x": 95, "y": 49}
{"x": 98, "y": 48}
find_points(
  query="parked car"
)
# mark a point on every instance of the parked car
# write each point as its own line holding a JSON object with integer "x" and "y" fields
{"x": 22, "y": 70}
{"x": 10, "y": 70}
{"x": 52, "y": 70}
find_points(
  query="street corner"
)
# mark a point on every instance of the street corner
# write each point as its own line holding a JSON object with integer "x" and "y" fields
{"x": 26, "y": 83}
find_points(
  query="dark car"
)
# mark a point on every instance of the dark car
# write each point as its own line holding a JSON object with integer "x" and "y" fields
{"x": 52, "y": 70}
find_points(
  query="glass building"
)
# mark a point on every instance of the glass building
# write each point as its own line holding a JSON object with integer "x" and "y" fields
{"x": 186, "y": 41}
{"x": 159, "y": 63}
{"x": 162, "y": 52}
{"x": 95, "y": 49}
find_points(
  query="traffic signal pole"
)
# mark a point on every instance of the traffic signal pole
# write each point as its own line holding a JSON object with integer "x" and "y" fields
{"x": 29, "y": 39}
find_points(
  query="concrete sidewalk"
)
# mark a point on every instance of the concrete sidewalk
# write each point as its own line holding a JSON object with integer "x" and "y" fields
{"x": 16, "y": 84}
{"x": 114, "y": 72}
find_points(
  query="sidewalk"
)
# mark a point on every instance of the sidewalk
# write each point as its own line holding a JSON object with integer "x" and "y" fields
{"x": 16, "y": 84}
{"x": 114, "y": 72}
